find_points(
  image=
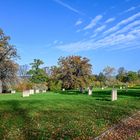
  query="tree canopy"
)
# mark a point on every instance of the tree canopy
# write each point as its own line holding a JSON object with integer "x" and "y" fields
{"x": 38, "y": 75}
{"x": 8, "y": 67}
{"x": 74, "y": 71}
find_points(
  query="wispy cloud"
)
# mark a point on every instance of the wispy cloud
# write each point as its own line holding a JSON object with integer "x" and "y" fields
{"x": 121, "y": 41}
{"x": 123, "y": 22}
{"x": 101, "y": 28}
{"x": 93, "y": 22}
{"x": 130, "y": 9}
{"x": 68, "y": 7}
{"x": 126, "y": 37}
{"x": 78, "y": 22}
{"x": 109, "y": 20}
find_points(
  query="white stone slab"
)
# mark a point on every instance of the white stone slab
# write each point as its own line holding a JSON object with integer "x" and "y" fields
{"x": 37, "y": 91}
{"x": 43, "y": 91}
{"x": 26, "y": 93}
{"x": 13, "y": 91}
{"x": 31, "y": 91}
{"x": 114, "y": 94}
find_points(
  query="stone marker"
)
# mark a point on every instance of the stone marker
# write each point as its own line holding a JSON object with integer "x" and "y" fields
{"x": 31, "y": 91}
{"x": 0, "y": 86}
{"x": 90, "y": 90}
{"x": 63, "y": 89}
{"x": 43, "y": 91}
{"x": 120, "y": 87}
{"x": 37, "y": 91}
{"x": 102, "y": 88}
{"x": 114, "y": 94}
{"x": 13, "y": 91}
{"x": 26, "y": 93}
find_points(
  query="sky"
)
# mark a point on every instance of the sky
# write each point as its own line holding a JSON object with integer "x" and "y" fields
{"x": 105, "y": 31}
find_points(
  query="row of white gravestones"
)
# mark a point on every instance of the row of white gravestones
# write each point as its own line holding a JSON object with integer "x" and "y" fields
{"x": 26, "y": 93}
{"x": 114, "y": 94}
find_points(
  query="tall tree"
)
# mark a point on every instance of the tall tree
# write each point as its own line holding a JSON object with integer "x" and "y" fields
{"x": 8, "y": 67}
{"x": 122, "y": 74}
{"x": 75, "y": 71}
{"x": 138, "y": 73}
{"x": 132, "y": 76}
{"x": 38, "y": 75}
{"x": 101, "y": 78}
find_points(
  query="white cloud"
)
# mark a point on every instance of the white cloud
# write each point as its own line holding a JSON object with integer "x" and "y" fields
{"x": 110, "y": 20}
{"x": 129, "y": 27}
{"x": 78, "y": 22}
{"x": 119, "y": 41}
{"x": 93, "y": 22}
{"x": 130, "y": 9}
{"x": 99, "y": 29}
{"x": 68, "y": 7}
{"x": 123, "y": 22}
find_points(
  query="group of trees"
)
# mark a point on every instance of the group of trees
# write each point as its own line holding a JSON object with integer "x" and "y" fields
{"x": 112, "y": 77}
{"x": 72, "y": 72}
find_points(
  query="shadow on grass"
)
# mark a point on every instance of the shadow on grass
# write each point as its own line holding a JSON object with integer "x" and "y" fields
{"x": 16, "y": 124}
{"x": 72, "y": 92}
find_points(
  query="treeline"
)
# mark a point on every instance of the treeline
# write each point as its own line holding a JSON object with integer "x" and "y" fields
{"x": 75, "y": 72}
{"x": 117, "y": 77}
{"x": 71, "y": 72}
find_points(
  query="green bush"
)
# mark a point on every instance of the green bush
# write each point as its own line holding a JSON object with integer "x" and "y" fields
{"x": 55, "y": 85}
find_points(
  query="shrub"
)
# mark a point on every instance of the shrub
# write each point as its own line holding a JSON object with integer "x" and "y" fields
{"x": 55, "y": 86}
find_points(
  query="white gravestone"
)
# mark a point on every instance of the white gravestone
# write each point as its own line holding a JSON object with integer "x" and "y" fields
{"x": 120, "y": 87}
{"x": 114, "y": 94}
{"x": 90, "y": 90}
{"x": 63, "y": 89}
{"x": 31, "y": 91}
{"x": 0, "y": 86}
{"x": 37, "y": 91}
{"x": 26, "y": 93}
{"x": 102, "y": 88}
{"x": 13, "y": 91}
{"x": 43, "y": 91}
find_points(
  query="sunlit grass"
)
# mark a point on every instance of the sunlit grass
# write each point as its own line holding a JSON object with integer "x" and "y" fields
{"x": 65, "y": 115}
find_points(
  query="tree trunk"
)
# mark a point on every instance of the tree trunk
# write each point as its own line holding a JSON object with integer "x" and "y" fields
{"x": 0, "y": 86}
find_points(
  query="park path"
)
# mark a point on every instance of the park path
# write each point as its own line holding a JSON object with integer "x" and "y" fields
{"x": 126, "y": 130}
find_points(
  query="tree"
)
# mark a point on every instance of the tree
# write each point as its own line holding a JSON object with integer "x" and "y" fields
{"x": 139, "y": 73}
{"x": 109, "y": 74}
{"x": 74, "y": 72}
{"x": 122, "y": 74}
{"x": 132, "y": 76}
{"x": 38, "y": 75}
{"x": 8, "y": 67}
{"x": 101, "y": 78}
{"x": 55, "y": 82}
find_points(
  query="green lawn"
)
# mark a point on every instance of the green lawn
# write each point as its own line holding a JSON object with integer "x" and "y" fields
{"x": 65, "y": 115}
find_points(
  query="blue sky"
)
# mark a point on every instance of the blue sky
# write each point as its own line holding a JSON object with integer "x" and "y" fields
{"x": 105, "y": 31}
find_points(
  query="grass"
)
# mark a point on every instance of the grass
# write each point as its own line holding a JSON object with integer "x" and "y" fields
{"x": 64, "y": 115}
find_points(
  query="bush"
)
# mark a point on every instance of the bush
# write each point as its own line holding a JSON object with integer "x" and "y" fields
{"x": 41, "y": 86}
{"x": 55, "y": 86}
{"x": 24, "y": 85}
